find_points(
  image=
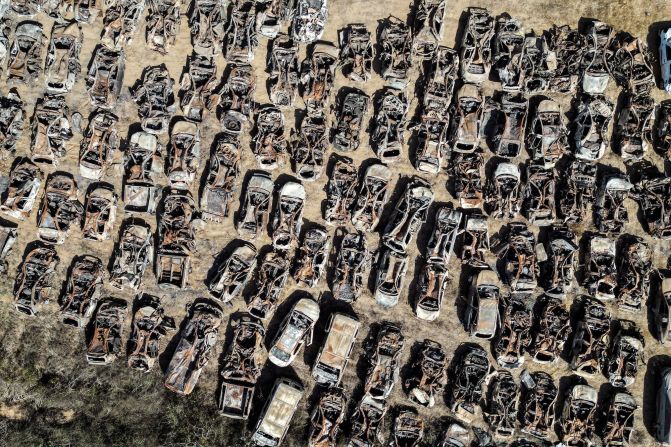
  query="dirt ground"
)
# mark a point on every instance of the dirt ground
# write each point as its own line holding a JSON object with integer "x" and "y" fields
{"x": 50, "y": 396}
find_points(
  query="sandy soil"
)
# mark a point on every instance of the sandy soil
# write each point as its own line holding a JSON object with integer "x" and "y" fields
{"x": 639, "y": 18}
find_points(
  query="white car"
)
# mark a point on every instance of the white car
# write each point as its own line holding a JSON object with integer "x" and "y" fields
{"x": 296, "y": 329}
{"x": 665, "y": 58}
{"x": 277, "y": 414}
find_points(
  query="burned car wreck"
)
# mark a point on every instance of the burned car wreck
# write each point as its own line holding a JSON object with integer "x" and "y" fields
{"x": 34, "y": 279}
{"x": 105, "y": 341}
{"x": 193, "y": 350}
{"x": 24, "y": 183}
{"x": 83, "y": 289}
{"x": 430, "y": 375}
{"x": 132, "y": 255}
{"x": 470, "y": 370}
{"x": 352, "y": 262}
{"x": 242, "y": 368}
{"x": 176, "y": 240}
{"x": 60, "y": 210}
{"x": 150, "y": 324}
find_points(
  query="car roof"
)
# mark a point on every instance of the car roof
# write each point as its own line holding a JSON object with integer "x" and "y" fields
{"x": 280, "y": 409}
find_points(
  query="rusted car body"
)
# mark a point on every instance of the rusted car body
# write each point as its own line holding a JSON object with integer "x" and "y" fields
{"x": 24, "y": 183}
{"x": 50, "y": 129}
{"x": 99, "y": 145}
{"x": 389, "y": 125}
{"x": 591, "y": 127}
{"x": 62, "y": 66}
{"x": 155, "y": 100}
{"x": 475, "y": 241}
{"x": 273, "y": 14}
{"x": 634, "y": 127}
{"x": 99, "y": 212}
{"x": 309, "y": 20}
{"x": 237, "y": 94}
{"x": 241, "y": 368}
{"x": 502, "y": 404}
{"x": 12, "y": 117}
{"x": 310, "y": 264}
{"x": 197, "y": 88}
{"x": 514, "y": 335}
{"x": 427, "y": 27}
{"x": 288, "y": 218}
{"x": 132, "y": 255}
{"x": 578, "y": 191}
{"x": 176, "y": 240}
{"x": 390, "y": 279}
{"x": 476, "y": 48}
{"x": 318, "y": 76}
{"x": 295, "y": 331}
{"x": 551, "y": 332}
{"x": 578, "y": 416}
{"x": 269, "y": 144}
{"x": 540, "y": 194}
{"x": 410, "y": 212}
{"x": 327, "y": 417}
{"x": 441, "y": 244}
{"x": 272, "y": 278}
{"x": 634, "y": 270}
{"x": 240, "y": 39}
{"x": 366, "y": 422}
{"x": 234, "y": 273}
{"x": 373, "y": 195}
{"x": 283, "y": 66}
{"x": 598, "y": 52}
{"x": 630, "y": 64}
{"x": 591, "y": 338}
{"x": 193, "y": 350}
{"x": 383, "y": 362}
{"x": 82, "y": 291}
{"x": 432, "y": 286}
{"x": 510, "y": 119}
{"x": 340, "y": 192}
{"x": 470, "y": 371}
{"x": 352, "y": 262}
{"x": 503, "y": 193}
{"x": 626, "y": 355}
{"x": 356, "y": 52}
{"x": 408, "y": 429}
{"x": 456, "y": 435}
{"x": 396, "y": 52}
{"x": 105, "y": 77}
{"x": 539, "y": 396}
{"x": 142, "y": 158}
{"x": 34, "y": 279}
{"x": 354, "y": 106}
{"x": 150, "y": 324}
{"x": 663, "y": 129}
{"x": 518, "y": 252}
{"x": 429, "y": 376}
{"x": 8, "y": 236}
{"x": 610, "y": 210}
{"x": 222, "y": 175}
{"x": 207, "y": 21}
{"x": 507, "y": 53}
{"x": 619, "y": 418}
{"x": 432, "y": 149}
{"x": 163, "y": 20}
{"x": 468, "y": 173}
{"x": 441, "y": 80}
{"x": 333, "y": 357}
{"x": 60, "y": 209}
{"x": 255, "y": 208}
{"x": 548, "y": 137}
{"x": 308, "y": 148}
{"x": 654, "y": 199}
{"x": 183, "y": 154}
{"x": 105, "y": 342}
{"x": 467, "y": 119}
{"x": 484, "y": 295}
{"x": 24, "y": 62}
{"x": 601, "y": 273}
{"x": 120, "y": 22}
{"x": 561, "y": 265}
